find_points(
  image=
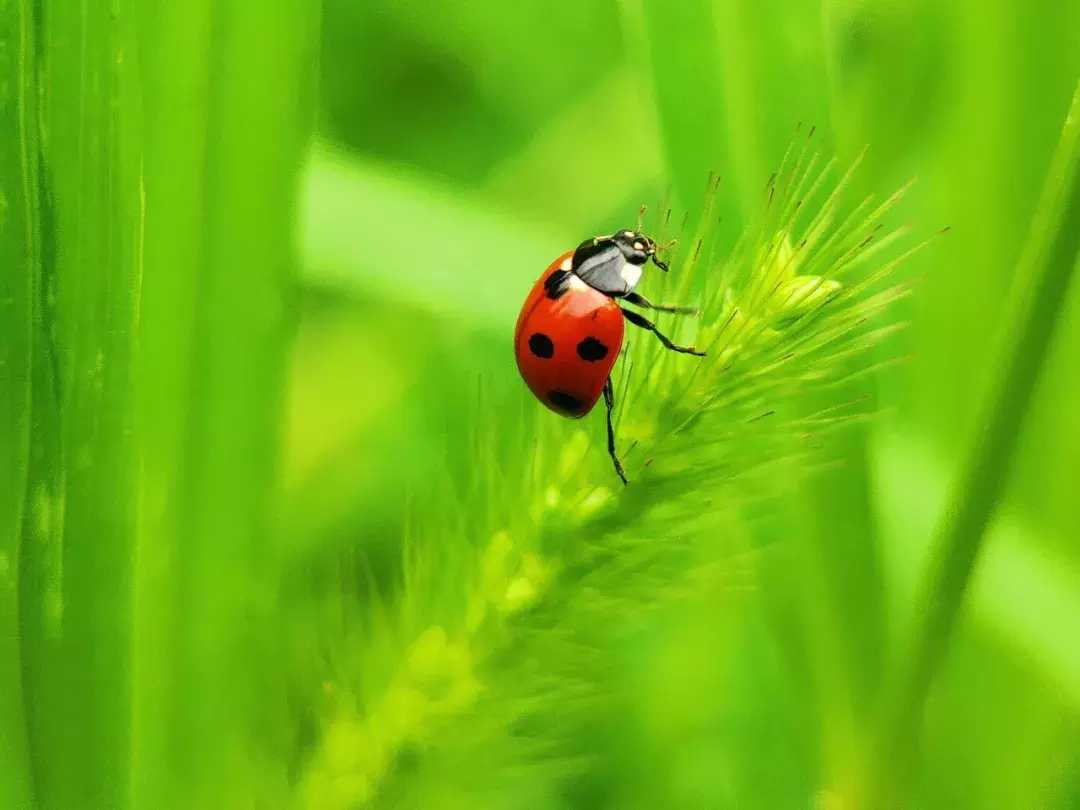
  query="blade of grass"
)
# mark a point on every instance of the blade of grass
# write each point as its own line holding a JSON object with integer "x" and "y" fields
{"x": 228, "y": 119}
{"x": 75, "y": 565}
{"x": 1043, "y": 277}
{"x": 710, "y": 63}
{"x": 1024, "y": 594}
{"x": 682, "y": 64}
{"x": 20, "y": 273}
{"x": 177, "y": 81}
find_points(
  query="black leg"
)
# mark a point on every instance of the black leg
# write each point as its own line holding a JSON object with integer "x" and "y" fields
{"x": 645, "y": 323}
{"x": 609, "y": 400}
{"x": 639, "y": 300}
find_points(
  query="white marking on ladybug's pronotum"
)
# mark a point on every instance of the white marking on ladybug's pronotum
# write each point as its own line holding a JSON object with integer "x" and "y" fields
{"x": 631, "y": 274}
{"x": 638, "y": 246}
{"x": 577, "y": 284}
{"x": 567, "y": 263}
{"x": 627, "y": 234}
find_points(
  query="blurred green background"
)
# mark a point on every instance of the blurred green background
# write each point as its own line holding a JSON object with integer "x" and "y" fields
{"x": 254, "y": 317}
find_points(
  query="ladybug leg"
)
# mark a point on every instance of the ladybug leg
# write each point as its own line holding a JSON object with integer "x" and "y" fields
{"x": 609, "y": 401}
{"x": 639, "y": 300}
{"x": 645, "y": 323}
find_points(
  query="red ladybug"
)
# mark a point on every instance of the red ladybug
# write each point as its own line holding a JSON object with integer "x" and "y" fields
{"x": 570, "y": 330}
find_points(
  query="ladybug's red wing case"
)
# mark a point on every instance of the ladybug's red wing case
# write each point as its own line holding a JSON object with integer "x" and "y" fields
{"x": 566, "y": 341}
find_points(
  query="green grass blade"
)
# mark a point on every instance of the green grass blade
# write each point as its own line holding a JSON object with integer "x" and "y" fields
{"x": 1023, "y": 593}
{"x": 75, "y": 565}
{"x": 682, "y": 61}
{"x": 1045, "y": 271}
{"x": 711, "y": 63}
{"x": 221, "y": 183}
{"x": 176, "y": 78}
{"x": 20, "y": 272}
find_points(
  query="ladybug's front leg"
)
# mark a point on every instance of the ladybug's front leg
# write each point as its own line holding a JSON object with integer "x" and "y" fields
{"x": 609, "y": 401}
{"x": 645, "y": 323}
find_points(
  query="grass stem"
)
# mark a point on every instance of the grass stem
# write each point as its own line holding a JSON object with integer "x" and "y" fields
{"x": 20, "y": 268}
{"x": 1043, "y": 278}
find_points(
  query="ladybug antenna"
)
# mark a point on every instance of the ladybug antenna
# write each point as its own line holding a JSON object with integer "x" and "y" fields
{"x": 641, "y": 216}
{"x": 663, "y": 265}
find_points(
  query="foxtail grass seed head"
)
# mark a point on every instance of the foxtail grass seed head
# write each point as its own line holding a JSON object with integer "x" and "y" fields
{"x": 504, "y": 605}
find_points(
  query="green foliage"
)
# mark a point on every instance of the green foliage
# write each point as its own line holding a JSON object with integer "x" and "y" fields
{"x": 147, "y": 265}
{"x": 1046, "y": 270}
{"x": 20, "y": 246}
{"x": 80, "y": 491}
{"x": 216, "y": 319}
{"x": 280, "y": 526}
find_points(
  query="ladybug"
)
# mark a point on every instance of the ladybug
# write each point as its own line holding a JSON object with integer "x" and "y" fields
{"x": 570, "y": 330}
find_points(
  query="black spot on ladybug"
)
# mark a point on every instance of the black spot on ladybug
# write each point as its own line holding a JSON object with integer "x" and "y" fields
{"x": 590, "y": 350}
{"x": 565, "y": 401}
{"x": 557, "y": 284}
{"x": 541, "y": 345}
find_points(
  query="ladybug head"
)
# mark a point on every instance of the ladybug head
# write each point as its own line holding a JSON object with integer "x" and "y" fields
{"x": 637, "y": 248}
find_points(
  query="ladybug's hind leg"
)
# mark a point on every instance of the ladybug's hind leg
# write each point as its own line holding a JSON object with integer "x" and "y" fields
{"x": 609, "y": 401}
